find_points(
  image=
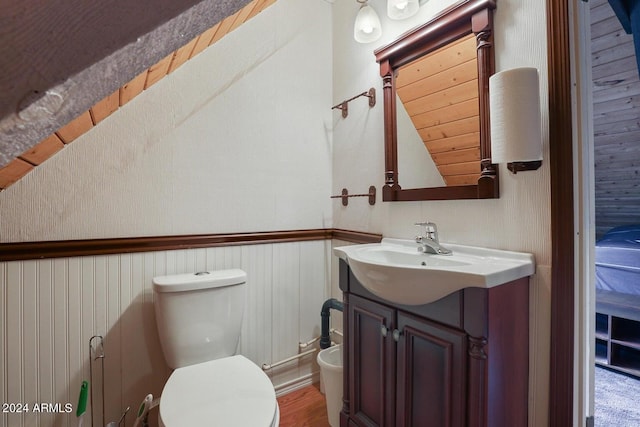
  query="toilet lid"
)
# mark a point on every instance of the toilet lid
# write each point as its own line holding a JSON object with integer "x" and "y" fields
{"x": 228, "y": 392}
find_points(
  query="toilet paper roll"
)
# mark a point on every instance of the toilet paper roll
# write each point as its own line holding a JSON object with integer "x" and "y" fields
{"x": 515, "y": 116}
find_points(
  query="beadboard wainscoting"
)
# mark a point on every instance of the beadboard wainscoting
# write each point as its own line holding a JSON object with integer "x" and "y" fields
{"x": 50, "y": 308}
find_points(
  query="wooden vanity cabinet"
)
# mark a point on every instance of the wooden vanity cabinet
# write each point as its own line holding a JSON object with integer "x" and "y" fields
{"x": 460, "y": 361}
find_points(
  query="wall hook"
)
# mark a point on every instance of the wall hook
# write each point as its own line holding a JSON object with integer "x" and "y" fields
{"x": 344, "y": 105}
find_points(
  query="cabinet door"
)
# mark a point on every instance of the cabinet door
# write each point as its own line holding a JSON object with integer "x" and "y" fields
{"x": 371, "y": 363}
{"x": 431, "y": 372}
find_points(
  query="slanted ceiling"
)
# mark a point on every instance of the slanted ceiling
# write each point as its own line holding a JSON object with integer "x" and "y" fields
{"x": 616, "y": 121}
{"x": 67, "y": 65}
{"x": 440, "y": 94}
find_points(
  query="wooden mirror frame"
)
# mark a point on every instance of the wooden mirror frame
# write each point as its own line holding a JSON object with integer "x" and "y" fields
{"x": 461, "y": 19}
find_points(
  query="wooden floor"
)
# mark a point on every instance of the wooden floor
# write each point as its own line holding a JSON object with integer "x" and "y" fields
{"x": 305, "y": 407}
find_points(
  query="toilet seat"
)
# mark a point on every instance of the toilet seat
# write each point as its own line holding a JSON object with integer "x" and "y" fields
{"x": 232, "y": 391}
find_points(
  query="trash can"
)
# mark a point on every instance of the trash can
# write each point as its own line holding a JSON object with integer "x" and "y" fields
{"x": 330, "y": 361}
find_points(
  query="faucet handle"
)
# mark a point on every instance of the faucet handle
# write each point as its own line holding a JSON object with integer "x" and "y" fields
{"x": 430, "y": 229}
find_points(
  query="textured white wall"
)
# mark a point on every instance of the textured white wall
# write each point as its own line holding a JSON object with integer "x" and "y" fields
{"x": 237, "y": 139}
{"x": 519, "y": 220}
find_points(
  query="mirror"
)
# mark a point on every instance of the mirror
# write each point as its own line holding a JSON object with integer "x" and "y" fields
{"x": 436, "y": 107}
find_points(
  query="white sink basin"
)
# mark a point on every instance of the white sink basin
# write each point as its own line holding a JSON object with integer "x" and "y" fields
{"x": 395, "y": 271}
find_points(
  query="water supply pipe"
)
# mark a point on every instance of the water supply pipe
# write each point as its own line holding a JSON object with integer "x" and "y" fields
{"x": 332, "y": 303}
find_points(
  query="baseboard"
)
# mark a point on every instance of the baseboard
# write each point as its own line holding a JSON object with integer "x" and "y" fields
{"x": 297, "y": 384}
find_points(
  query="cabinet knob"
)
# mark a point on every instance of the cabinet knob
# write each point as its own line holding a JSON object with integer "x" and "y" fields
{"x": 384, "y": 330}
{"x": 396, "y": 335}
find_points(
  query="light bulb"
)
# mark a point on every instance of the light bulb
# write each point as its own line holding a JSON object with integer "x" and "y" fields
{"x": 402, "y": 9}
{"x": 401, "y": 5}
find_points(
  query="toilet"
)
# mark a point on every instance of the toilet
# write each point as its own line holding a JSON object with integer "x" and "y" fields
{"x": 199, "y": 318}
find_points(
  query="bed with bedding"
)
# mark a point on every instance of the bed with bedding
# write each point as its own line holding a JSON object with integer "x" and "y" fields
{"x": 617, "y": 259}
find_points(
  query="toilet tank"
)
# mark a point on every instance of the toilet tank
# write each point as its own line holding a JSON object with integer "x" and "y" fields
{"x": 199, "y": 315}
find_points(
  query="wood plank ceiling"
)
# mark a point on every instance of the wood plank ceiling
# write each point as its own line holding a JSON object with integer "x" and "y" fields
{"x": 40, "y": 151}
{"x": 440, "y": 94}
{"x": 616, "y": 121}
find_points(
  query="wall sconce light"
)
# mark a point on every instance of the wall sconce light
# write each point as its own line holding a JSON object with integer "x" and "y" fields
{"x": 367, "y": 27}
{"x": 402, "y": 9}
{"x": 514, "y": 102}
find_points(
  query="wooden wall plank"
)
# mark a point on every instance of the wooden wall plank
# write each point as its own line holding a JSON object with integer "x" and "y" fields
{"x": 225, "y": 26}
{"x": 442, "y": 98}
{"x": 75, "y": 128}
{"x": 158, "y": 71}
{"x": 448, "y": 114}
{"x": 457, "y": 156}
{"x": 244, "y": 14}
{"x": 260, "y": 6}
{"x": 204, "y": 40}
{"x": 460, "y": 168}
{"x": 453, "y": 76}
{"x": 613, "y": 53}
{"x": 610, "y": 68}
{"x": 447, "y": 130}
{"x": 13, "y": 172}
{"x": 105, "y": 108}
{"x": 441, "y": 60}
{"x": 133, "y": 88}
{"x": 459, "y": 142}
{"x": 45, "y": 149}
{"x": 181, "y": 55}
{"x": 455, "y": 180}
{"x": 605, "y": 27}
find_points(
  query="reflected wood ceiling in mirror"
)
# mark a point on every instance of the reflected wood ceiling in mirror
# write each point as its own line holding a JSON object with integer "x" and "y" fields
{"x": 440, "y": 94}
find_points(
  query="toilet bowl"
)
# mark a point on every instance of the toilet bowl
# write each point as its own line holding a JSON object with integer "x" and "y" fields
{"x": 199, "y": 317}
{"x": 227, "y": 392}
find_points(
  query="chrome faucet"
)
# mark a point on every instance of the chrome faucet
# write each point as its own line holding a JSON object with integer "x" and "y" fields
{"x": 428, "y": 242}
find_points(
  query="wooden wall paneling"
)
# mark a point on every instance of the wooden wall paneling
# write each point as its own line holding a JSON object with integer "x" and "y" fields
{"x": 457, "y": 128}
{"x": 468, "y": 179}
{"x": 314, "y": 287}
{"x": 45, "y": 149}
{"x": 459, "y": 168}
{"x": 257, "y": 330}
{"x": 453, "y": 76}
{"x": 444, "y": 97}
{"x": 55, "y": 305}
{"x": 460, "y": 142}
{"x": 13, "y": 172}
{"x": 286, "y": 309}
{"x": 204, "y": 40}
{"x": 158, "y": 71}
{"x": 182, "y": 55}
{"x": 60, "y": 337}
{"x": 616, "y": 97}
{"x": 133, "y": 88}
{"x": 15, "y": 336}
{"x": 613, "y": 53}
{"x": 105, "y": 107}
{"x": 75, "y": 128}
{"x": 224, "y": 28}
{"x": 244, "y": 14}
{"x": 457, "y": 156}
{"x": 447, "y": 114}
{"x": 260, "y": 6}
